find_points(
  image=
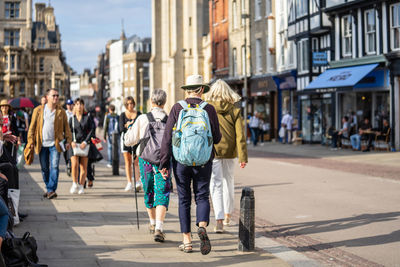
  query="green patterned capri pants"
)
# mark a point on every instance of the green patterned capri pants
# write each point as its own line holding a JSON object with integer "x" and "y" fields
{"x": 156, "y": 189}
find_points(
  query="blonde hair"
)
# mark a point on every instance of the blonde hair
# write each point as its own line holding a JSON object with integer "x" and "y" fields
{"x": 220, "y": 91}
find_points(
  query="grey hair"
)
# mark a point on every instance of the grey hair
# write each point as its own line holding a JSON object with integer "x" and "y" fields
{"x": 159, "y": 97}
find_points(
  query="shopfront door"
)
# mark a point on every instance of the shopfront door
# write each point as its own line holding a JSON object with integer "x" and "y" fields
{"x": 316, "y": 117}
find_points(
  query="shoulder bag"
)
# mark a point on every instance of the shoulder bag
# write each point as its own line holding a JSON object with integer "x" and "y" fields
{"x": 78, "y": 151}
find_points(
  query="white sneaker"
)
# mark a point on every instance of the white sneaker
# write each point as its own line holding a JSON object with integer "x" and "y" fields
{"x": 109, "y": 166}
{"x": 80, "y": 191}
{"x": 138, "y": 186}
{"x": 74, "y": 188}
{"x": 128, "y": 187}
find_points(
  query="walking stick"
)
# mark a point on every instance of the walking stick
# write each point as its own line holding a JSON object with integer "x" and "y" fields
{"x": 134, "y": 184}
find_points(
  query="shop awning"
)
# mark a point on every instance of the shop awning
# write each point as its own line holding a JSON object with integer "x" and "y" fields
{"x": 341, "y": 77}
{"x": 260, "y": 86}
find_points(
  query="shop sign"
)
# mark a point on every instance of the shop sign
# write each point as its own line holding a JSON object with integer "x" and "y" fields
{"x": 320, "y": 59}
{"x": 326, "y": 90}
{"x": 262, "y": 86}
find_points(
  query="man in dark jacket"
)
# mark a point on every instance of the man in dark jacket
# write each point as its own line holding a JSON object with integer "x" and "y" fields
{"x": 184, "y": 175}
{"x": 111, "y": 127}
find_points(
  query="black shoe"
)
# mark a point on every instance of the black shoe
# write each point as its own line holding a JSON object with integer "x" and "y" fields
{"x": 366, "y": 150}
{"x": 205, "y": 245}
{"x": 51, "y": 195}
{"x": 45, "y": 195}
{"x": 22, "y": 215}
{"x": 159, "y": 236}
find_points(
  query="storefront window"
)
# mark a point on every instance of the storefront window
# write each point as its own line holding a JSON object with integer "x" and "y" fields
{"x": 373, "y": 105}
{"x": 316, "y": 118}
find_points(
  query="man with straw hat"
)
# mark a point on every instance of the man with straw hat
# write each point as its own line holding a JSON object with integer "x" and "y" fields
{"x": 184, "y": 174}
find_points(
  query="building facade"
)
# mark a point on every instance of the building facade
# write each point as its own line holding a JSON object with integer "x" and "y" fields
{"x": 179, "y": 29}
{"x": 310, "y": 29}
{"x": 263, "y": 94}
{"x": 136, "y": 58}
{"x": 30, "y": 51}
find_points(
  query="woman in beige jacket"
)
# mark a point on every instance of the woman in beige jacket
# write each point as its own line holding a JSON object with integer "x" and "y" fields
{"x": 231, "y": 146}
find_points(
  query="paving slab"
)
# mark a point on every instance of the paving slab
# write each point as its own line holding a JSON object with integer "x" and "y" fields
{"x": 99, "y": 228}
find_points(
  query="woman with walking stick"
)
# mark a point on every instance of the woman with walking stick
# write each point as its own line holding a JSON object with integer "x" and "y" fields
{"x": 148, "y": 131}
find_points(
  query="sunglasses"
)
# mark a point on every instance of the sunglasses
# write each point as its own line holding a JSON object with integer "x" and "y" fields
{"x": 55, "y": 95}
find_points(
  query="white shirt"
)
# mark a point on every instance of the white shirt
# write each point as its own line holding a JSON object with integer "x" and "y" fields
{"x": 254, "y": 122}
{"x": 48, "y": 127}
{"x": 138, "y": 129}
{"x": 70, "y": 114}
{"x": 288, "y": 120}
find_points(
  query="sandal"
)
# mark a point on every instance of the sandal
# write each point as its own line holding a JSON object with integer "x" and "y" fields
{"x": 187, "y": 248}
{"x": 205, "y": 245}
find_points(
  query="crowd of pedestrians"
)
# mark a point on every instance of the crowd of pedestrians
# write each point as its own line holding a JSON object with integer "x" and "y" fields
{"x": 197, "y": 143}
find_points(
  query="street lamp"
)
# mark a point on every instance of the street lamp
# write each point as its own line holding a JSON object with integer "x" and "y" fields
{"x": 244, "y": 93}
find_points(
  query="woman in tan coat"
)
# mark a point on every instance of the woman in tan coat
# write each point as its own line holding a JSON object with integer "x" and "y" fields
{"x": 231, "y": 146}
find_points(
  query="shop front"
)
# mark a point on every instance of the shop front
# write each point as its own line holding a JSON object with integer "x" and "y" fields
{"x": 357, "y": 92}
{"x": 264, "y": 100}
{"x": 287, "y": 96}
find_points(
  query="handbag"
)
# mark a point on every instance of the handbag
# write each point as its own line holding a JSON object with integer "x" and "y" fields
{"x": 78, "y": 151}
{"x": 20, "y": 252}
{"x": 97, "y": 143}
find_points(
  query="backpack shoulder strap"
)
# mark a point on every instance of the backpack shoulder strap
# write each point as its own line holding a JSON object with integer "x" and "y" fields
{"x": 150, "y": 117}
{"x": 203, "y": 104}
{"x": 183, "y": 103}
{"x": 165, "y": 119}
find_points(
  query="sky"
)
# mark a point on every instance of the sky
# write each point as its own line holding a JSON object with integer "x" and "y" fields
{"x": 87, "y": 25}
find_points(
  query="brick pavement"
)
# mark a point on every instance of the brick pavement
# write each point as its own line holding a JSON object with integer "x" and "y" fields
{"x": 99, "y": 228}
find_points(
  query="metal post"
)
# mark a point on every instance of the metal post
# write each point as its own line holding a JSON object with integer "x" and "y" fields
{"x": 115, "y": 154}
{"x": 247, "y": 220}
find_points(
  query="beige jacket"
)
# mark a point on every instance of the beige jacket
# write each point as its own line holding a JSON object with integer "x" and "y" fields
{"x": 61, "y": 129}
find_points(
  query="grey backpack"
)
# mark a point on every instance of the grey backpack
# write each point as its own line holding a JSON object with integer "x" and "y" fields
{"x": 151, "y": 142}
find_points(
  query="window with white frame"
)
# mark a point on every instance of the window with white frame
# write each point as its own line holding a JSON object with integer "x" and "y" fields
{"x": 292, "y": 14}
{"x": 282, "y": 47}
{"x": 370, "y": 31}
{"x": 11, "y": 10}
{"x": 126, "y": 73}
{"x": 302, "y": 55}
{"x": 301, "y": 8}
{"x": 257, "y": 9}
{"x": 258, "y": 56}
{"x": 243, "y": 11}
{"x": 268, "y": 7}
{"x": 313, "y": 7}
{"x": 314, "y": 45}
{"x": 234, "y": 62}
{"x": 395, "y": 26}
{"x": 243, "y": 60}
{"x": 347, "y": 40}
{"x": 291, "y": 53}
{"x": 132, "y": 71}
{"x": 11, "y": 37}
{"x": 234, "y": 15}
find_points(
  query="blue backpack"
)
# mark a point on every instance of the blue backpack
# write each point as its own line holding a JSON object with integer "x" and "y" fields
{"x": 192, "y": 140}
{"x": 112, "y": 124}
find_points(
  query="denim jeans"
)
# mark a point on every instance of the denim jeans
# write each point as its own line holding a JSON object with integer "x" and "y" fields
{"x": 355, "y": 140}
{"x": 3, "y": 218}
{"x": 49, "y": 159}
{"x": 109, "y": 148}
{"x": 254, "y": 135}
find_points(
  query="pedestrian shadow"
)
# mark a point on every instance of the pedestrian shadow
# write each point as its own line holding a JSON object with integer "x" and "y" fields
{"x": 309, "y": 228}
{"x": 239, "y": 187}
{"x": 73, "y": 238}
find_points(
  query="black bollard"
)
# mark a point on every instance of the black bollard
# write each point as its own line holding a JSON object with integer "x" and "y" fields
{"x": 246, "y": 221}
{"x": 115, "y": 154}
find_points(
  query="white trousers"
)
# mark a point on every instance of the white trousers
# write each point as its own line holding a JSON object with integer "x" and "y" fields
{"x": 222, "y": 187}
